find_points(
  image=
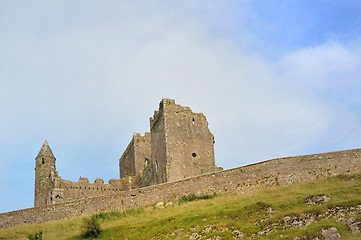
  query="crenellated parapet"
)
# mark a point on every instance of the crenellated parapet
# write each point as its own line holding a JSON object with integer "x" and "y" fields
{"x": 178, "y": 146}
{"x": 246, "y": 179}
{"x": 51, "y": 189}
{"x": 65, "y": 190}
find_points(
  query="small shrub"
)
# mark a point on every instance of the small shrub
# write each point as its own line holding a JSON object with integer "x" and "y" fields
{"x": 35, "y": 236}
{"x": 101, "y": 215}
{"x": 92, "y": 227}
{"x": 256, "y": 207}
{"x": 115, "y": 214}
{"x": 134, "y": 211}
{"x": 193, "y": 197}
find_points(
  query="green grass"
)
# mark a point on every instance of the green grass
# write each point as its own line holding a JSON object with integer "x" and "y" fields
{"x": 227, "y": 216}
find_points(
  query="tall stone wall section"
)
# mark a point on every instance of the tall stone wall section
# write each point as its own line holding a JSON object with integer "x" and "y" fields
{"x": 181, "y": 143}
{"x": 136, "y": 156}
{"x": 178, "y": 146}
{"x": 158, "y": 147}
{"x": 282, "y": 171}
{"x": 189, "y": 143}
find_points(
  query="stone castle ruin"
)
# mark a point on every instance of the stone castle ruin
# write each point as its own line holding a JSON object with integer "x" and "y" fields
{"x": 178, "y": 146}
{"x": 175, "y": 159}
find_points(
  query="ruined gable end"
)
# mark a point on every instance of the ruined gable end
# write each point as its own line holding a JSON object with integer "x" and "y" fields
{"x": 136, "y": 156}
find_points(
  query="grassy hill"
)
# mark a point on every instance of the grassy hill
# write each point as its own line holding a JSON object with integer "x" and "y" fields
{"x": 312, "y": 210}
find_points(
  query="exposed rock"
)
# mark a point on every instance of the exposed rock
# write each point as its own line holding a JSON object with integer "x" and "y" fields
{"x": 179, "y": 231}
{"x": 193, "y": 229}
{"x": 317, "y": 200}
{"x": 330, "y": 233}
{"x": 269, "y": 210}
{"x": 299, "y": 221}
{"x": 354, "y": 227}
{"x": 195, "y": 236}
{"x": 237, "y": 234}
{"x": 351, "y": 223}
{"x": 207, "y": 230}
{"x": 160, "y": 205}
{"x": 214, "y": 238}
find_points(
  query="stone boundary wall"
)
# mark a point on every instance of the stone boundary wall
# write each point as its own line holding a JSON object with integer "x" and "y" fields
{"x": 66, "y": 190}
{"x": 282, "y": 171}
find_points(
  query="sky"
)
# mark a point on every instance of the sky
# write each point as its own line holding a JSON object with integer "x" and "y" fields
{"x": 274, "y": 78}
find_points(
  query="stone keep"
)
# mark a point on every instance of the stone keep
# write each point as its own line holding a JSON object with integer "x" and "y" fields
{"x": 179, "y": 145}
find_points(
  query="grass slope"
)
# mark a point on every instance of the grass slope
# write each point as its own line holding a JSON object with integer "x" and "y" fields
{"x": 275, "y": 213}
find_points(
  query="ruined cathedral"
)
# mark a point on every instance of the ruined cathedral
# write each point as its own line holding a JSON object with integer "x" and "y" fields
{"x": 179, "y": 145}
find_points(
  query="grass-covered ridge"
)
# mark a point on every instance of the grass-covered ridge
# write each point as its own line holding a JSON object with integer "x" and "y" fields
{"x": 300, "y": 210}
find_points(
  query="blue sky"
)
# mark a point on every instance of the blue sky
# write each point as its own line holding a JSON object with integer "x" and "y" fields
{"x": 274, "y": 79}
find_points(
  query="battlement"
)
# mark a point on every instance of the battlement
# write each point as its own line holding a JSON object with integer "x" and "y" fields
{"x": 277, "y": 172}
{"x": 179, "y": 145}
{"x": 174, "y": 159}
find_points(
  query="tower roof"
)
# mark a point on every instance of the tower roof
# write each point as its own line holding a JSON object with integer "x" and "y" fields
{"x": 45, "y": 150}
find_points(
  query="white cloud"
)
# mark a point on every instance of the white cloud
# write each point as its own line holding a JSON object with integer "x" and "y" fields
{"x": 88, "y": 83}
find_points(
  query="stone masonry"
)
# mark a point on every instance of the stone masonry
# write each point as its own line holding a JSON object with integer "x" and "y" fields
{"x": 175, "y": 159}
{"x": 181, "y": 143}
{"x": 277, "y": 172}
{"x": 136, "y": 157}
{"x": 178, "y": 146}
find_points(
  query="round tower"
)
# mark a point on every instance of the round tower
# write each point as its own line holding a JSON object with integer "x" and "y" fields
{"x": 44, "y": 176}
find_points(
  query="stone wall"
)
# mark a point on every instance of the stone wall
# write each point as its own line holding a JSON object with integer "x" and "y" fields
{"x": 189, "y": 143}
{"x": 182, "y": 145}
{"x": 136, "y": 156}
{"x": 178, "y": 146}
{"x": 282, "y": 171}
{"x": 158, "y": 146}
{"x": 126, "y": 163}
{"x": 65, "y": 190}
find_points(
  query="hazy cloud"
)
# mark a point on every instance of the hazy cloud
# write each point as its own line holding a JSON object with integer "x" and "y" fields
{"x": 87, "y": 75}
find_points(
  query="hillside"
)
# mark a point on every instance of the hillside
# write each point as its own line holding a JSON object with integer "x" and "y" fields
{"x": 321, "y": 209}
